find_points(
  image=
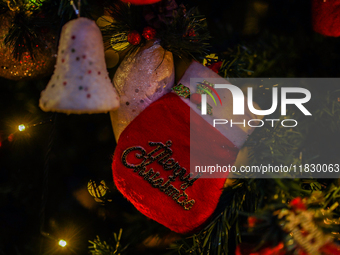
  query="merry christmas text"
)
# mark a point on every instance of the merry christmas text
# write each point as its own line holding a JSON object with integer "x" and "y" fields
{"x": 162, "y": 154}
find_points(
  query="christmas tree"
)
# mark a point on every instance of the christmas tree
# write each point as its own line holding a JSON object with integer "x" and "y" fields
{"x": 97, "y": 106}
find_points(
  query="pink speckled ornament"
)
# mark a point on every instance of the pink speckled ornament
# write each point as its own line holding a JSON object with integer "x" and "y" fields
{"x": 141, "y": 79}
{"x": 80, "y": 83}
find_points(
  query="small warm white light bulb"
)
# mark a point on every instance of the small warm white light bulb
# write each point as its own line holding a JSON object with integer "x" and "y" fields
{"x": 62, "y": 243}
{"x": 21, "y": 127}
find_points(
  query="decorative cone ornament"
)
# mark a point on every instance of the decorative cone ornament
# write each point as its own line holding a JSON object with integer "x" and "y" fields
{"x": 80, "y": 83}
{"x": 141, "y": 79}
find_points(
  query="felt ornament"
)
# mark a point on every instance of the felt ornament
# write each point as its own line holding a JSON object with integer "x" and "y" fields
{"x": 141, "y": 2}
{"x": 142, "y": 78}
{"x": 151, "y": 165}
{"x": 326, "y": 17}
{"x": 80, "y": 83}
{"x": 29, "y": 65}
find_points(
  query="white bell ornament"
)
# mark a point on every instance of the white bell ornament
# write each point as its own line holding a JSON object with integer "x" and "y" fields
{"x": 80, "y": 83}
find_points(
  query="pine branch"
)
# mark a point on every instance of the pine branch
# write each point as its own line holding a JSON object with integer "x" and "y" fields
{"x": 184, "y": 33}
{"x": 223, "y": 233}
{"x": 99, "y": 247}
{"x": 125, "y": 19}
{"x": 187, "y": 35}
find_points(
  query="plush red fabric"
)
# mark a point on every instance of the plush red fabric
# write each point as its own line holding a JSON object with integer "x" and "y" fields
{"x": 326, "y": 17}
{"x": 168, "y": 119}
{"x": 141, "y": 2}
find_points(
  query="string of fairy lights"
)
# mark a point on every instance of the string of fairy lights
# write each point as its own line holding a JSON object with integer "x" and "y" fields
{"x": 22, "y": 128}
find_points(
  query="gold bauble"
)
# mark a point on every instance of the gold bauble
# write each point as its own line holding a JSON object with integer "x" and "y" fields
{"x": 97, "y": 190}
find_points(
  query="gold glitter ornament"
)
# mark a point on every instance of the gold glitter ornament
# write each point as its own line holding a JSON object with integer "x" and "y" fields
{"x": 119, "y": 42}
{"x": 26, "y": 67}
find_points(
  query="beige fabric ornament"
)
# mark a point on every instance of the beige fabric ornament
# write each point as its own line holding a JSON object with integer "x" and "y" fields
{"x": 141, "y": 79}
{"x": 80, "y": 83}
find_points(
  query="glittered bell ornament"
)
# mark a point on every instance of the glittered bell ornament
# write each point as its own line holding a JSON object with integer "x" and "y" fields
{"x": 80, "y": 83}
{"x": 142, "y": 78}
{"x": 29, "y": 65}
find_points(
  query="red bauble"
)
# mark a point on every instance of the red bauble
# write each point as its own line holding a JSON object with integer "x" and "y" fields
{"x": 149, "y": 33}
{"x": 134, "y": 38}
{"x": 326, "y": 17}
{"x": 190, "y": 32}
{"x": 215, "y": 66}
{"x": 252, "y": 221}
{"x": 141, "y": 2}
{"x": 298, "y": 204}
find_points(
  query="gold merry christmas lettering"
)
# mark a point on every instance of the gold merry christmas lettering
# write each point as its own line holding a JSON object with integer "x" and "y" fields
{"x": 162, "y": 154}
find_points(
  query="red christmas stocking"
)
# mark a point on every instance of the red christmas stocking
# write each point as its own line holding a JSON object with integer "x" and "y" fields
{"x": 151, "y": 165}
